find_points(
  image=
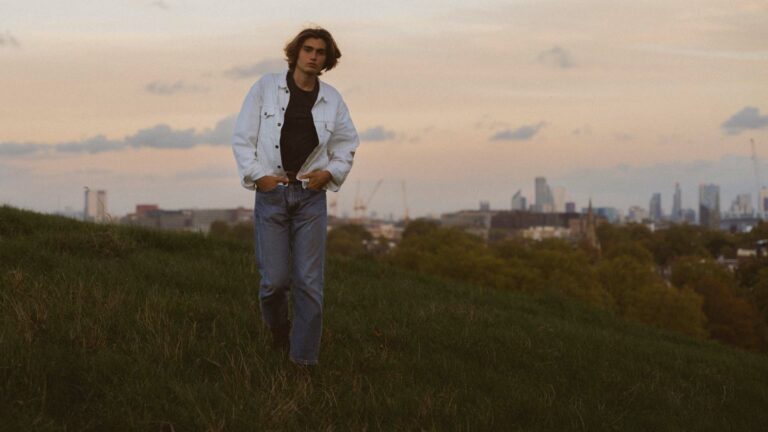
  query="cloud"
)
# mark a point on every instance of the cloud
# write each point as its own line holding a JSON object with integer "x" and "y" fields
{"x": 377, "y": 133}
{"x": 159, "y": 136}
{"x": 97, "y": 144}
{"x": 557, "y": 57}
{"x": 163, "y": 136}
{"x": 747, "y": 118}
{"x": 160, "y": 4}
{"x": 221, "y": 134}
{"x": 20, "y": 149}
{"x": 263, "y": 67}
{"x": 8, "y": 40}
{"x": 165, "y": 89}
{"x": 520, "y": 134}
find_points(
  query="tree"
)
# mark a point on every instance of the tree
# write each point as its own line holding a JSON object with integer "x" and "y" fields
{"x": 632, "y": 240}
{"x": 419, "y": 227}
{"x": 451, "y": 253}
{"x": 730, "y": 318}
{"x": 678, "y": 241}
{"x": 568, "y": 270}
{"x": 219, "y": 229}
{"x": 349, "y": 240}
{"x": 640, "y": 294}
{"x": 758, "y": 294}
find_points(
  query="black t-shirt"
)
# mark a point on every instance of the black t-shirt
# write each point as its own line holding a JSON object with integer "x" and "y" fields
{"x": 298, "y": 136}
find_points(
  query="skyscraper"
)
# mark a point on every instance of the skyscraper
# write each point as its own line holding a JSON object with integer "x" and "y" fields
{"x": 558, "y": 198}
{"x": 543, "y": 202}
{"x": 637, "y": 214}
{"x": 95, "y": 209}
{"x": 518, "y": 201}
{"x": 709, "y": 205}
{"x": 742, "y": 206}
{"x": 677, "y": 204}
{"x": 654, "y": 207}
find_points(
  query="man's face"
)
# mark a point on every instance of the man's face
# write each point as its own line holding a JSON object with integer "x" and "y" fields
{"x": 311, "y": 56}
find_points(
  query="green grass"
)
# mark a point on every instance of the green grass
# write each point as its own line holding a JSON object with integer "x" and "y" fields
{"x": 113, "y": 328}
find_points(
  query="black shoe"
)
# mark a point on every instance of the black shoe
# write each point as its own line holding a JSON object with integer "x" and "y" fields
{"x": 281, "y": 337}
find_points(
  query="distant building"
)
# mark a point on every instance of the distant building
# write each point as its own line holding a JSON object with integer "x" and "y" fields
{"x": 471, "y": 221}
{"x": 739, "y": 224}
{"x": 538, "y": 226}
{"x": 689, "y": 216}
{"x": 741, "y": 207}
{"x": 588, "y": 229}
{"x": 677, "y": 204}
{"x": 654, "y": 208}
{"x": 142, "y": 209}
{"x": 637, "y": 214}
{"x": 519, "y": 202}
{"x": 570, "y": 207}
{"x": 610, "y": 214}
{"x": 71, "y": 213}
{"x": 762, "y": 207}
{"x": 485, "y": 206}
{"x": 558, "y": 199}
{"x": 95, "y": 209}
{"x": 543, "y": 202}
{"x": 196, "y": 220}
{"x": 709, "y": 206}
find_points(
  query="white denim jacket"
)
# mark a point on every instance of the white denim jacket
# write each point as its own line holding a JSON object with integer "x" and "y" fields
{"x": 256, "y": 140}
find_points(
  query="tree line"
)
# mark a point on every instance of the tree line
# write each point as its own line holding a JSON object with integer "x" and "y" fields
{"x": 667, "y": 278}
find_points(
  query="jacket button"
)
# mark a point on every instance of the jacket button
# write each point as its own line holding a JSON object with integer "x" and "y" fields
{"x": 286, "y": 90}
{"x": 283, "y": 108}
{"x": 278, "y": 124}
{"x": 279, "y": 167}
{"x": 277, "y": 146}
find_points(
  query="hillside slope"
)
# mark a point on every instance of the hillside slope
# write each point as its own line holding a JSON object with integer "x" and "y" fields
{"x": 114, "y": 328}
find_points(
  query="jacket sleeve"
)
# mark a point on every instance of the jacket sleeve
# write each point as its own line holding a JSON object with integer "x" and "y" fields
{"x": 245, "y": 139}
{"x": 341, "y": 147}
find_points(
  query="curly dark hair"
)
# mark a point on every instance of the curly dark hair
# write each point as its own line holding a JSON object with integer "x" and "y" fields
{"x": 332, "y": 52}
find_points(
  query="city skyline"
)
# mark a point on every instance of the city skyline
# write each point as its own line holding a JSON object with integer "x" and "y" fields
{"x": 462, "y": 102}
{"x": 709, "y": 204}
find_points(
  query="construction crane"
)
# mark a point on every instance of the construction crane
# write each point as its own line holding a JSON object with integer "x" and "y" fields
{"x": 361, "y": 207}
{"x": 756, "y": 163}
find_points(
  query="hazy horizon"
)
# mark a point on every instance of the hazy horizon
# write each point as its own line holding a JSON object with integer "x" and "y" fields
{"x": 462, "y": 101}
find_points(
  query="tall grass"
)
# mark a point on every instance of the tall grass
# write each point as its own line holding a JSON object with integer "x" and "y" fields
{"x": 111, "y": 328}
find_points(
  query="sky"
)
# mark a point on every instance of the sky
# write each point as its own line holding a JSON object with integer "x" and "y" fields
{"x": 455, "y": 101}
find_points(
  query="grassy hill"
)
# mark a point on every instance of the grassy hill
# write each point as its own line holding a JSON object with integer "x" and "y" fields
{"x": 115, "y": 328}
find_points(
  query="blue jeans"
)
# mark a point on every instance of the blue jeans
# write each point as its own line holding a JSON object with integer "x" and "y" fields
{"x": 290, "y": 224}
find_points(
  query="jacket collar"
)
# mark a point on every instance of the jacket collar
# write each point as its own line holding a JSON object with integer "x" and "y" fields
{"x": 282, "y": 84}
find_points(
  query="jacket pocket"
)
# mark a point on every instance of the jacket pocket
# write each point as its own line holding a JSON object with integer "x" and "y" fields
{"x": 268, "y": 111}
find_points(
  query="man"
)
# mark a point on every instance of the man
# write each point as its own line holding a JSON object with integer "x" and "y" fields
{"x": 293, "y": 140}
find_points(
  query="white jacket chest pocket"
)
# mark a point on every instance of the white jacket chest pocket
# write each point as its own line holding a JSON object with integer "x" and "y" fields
{"x": 269, "y": 121}
{"x": 324, "y": 131}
